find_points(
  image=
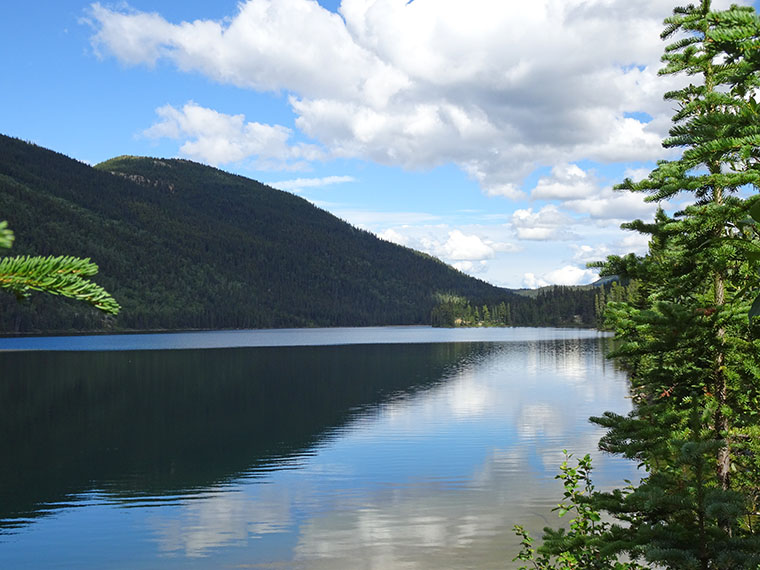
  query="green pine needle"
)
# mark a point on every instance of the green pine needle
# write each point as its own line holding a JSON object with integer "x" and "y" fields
{"x": 6, "y": 235}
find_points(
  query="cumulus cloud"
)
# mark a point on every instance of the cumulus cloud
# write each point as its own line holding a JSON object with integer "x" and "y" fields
{"x": 636, "y": 174}
{"x": 612, "y": 204}
{"x": 567, "y": 181}
{"x": 471, "y": 267}
{"x": 461, "y": 247}
{"x": 546, "y": 224}
{"x": 634, "y": 243}
{"x": 269, "y": 45}
{"x": 567, "y": 275}
{"x": 470, "y": 252}
{"x": 587, "y": 253}
{"x": 217, "y": 138}
{"x": 571, "y": 275}
{"x": 531, "y": 281}
{"x": 576, "y": 272}
{"x": 467, "y": 252}
{"x": 631, "y": 243}
{"x": 499, "y": 89}
{"x": 393, "y": 236}
{"x": 496, "y": 88}
{"x": 579, "y": 191}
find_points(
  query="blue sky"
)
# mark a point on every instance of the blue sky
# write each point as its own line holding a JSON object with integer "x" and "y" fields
{"x": 487, "y": 133}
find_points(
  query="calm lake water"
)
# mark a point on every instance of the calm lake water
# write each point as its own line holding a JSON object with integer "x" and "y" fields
{"x": 400, "y": 447}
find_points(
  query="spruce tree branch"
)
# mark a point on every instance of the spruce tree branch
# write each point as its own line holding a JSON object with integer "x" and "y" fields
{"x": 62, "y": 275}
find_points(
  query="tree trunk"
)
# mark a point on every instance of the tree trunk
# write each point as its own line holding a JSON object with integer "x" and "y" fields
{"x": 721, "y": 394}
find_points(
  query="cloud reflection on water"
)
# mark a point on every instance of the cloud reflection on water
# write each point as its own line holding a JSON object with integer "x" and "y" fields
{"x": 434, "y": 479}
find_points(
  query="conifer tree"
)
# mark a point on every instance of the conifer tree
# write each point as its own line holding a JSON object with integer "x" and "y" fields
{"x": 692, "y": 353}
{"x": 696, "y": 376}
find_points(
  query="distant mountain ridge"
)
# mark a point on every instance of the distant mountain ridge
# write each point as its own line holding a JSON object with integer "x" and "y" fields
{"x": 187, "y": 246}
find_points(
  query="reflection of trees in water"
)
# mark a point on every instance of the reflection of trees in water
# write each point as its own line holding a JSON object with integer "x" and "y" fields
{"x": 152, "y": 422}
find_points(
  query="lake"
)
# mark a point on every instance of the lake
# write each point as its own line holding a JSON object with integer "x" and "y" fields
{"x": 391, "y": 447}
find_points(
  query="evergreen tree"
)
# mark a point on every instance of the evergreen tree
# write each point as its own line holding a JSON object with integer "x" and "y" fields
{"x": 692, "y": 353}
{"x": 696, "y": 375}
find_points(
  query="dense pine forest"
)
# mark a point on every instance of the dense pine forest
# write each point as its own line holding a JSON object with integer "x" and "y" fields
{"x": 186, "y": 246}
{"x": 550, "y": 306}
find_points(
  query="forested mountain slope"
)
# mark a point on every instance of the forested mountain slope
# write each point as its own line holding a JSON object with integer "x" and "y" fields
{"x": 184, "y": 246}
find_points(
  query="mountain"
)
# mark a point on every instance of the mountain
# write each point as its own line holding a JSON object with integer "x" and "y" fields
{"x": 187, "y": 246}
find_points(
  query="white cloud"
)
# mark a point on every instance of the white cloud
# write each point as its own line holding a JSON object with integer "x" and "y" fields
{"x": 467, "y": 252}
{"x": 507, "y": 190}
{"x": 217, "y": 138}
{"x": 133, "y": 37}
{"x": 461, "y": 247}
{"x": 393, "y": 236}
{"x": 370, "y": 220}
{"x": 471, "y": 251}
{"x": 292, "y": 45}
{"x": 301, "y": 183}
{"x": 496, "y": 88}
{"x": 579, "y": 192}
{"x": 586, "y": 253}
{"x": 636, "y": 174}
{"x": 567, "y": 275}
{"x": 613, "y": 204}
{"x": 634, "y": 243}
{"x": 626, "y": 139}
{"x": 471, "y": 267}
{"x": 546, "y": 224}
{"x": 571, "y": 275}
{"x": 532, "y": 282}
{"x": 567, "y": 181}
{"x": 499, "y": 89}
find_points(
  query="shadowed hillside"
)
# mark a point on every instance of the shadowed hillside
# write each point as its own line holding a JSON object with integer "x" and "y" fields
{"x": 183, "y": 246}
